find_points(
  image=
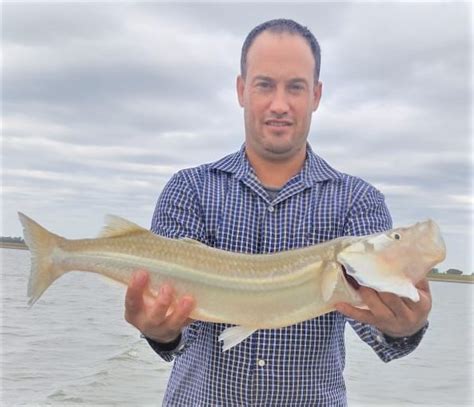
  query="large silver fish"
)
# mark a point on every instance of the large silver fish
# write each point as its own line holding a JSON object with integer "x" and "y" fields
{"x": 248, "y": 290}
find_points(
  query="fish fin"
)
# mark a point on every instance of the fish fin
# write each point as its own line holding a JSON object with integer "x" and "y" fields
{"x": 234, "y": 335}
{"x": 41, "y": 244}
{"x": 117, "y": 226}
{"x": 402, "y": 288}
{"x": 367, "y": 272}
{"x": 329, "y": 281}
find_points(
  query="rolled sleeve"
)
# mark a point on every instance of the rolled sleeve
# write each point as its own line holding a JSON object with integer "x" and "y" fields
{"x": 169, "y": 351}
{"x": 385, "y": 347}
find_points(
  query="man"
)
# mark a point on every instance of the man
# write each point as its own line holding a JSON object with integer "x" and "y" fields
{"x": 274, "y": 194}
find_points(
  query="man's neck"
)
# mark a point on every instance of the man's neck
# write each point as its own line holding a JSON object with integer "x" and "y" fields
{"x": 276, "y": 173}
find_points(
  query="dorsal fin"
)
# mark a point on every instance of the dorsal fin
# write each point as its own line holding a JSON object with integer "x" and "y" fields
{"x": 117, "y": 226}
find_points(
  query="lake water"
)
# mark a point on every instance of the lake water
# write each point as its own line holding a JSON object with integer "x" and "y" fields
{"x": 73, "y": 348}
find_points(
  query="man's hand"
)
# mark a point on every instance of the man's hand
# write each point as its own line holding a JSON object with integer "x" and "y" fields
{"x": 393, "y": 315}
{"x": 157, "y": 317}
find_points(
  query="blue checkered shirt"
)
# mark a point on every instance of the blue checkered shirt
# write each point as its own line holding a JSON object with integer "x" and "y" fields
{"x": 225, "y": 206}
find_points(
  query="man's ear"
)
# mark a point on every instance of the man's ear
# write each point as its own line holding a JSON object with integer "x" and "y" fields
{"x": 240, "y": 85}
{"x": 317, "y": 93}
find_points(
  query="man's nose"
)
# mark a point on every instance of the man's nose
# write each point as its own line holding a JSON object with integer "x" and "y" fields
{"x": 279, "y": 103}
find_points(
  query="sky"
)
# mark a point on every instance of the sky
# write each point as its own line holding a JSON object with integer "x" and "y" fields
{"x": 102, "y": 102}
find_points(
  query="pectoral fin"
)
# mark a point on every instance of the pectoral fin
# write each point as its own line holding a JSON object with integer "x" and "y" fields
{"x": 234, "y": 335}
{"x": 365, "y": 269}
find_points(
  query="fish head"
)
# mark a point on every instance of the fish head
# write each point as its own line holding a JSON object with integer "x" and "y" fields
{"x": 394, "y": 261}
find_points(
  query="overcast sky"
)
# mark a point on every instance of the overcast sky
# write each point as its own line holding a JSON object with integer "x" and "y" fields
{"x": 103, "y": 102}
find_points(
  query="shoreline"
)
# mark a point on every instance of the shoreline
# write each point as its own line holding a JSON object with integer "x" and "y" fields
{"x": 465, "y": 279}
{"x": 16, "y": 246}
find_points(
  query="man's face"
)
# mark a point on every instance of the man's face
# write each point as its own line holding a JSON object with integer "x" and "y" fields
{"x": 278, "y": 95}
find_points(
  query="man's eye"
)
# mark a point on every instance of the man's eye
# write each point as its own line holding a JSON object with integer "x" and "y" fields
{"x": 296, "y": 87}
{"x": 263, "y": 85}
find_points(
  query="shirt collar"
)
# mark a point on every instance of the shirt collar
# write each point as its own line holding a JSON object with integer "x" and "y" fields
{"x": 235, "y": 163}
{"x": 315, "y": 169}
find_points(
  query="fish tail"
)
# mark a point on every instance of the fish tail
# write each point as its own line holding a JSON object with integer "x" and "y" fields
{"x": 41, "y": 244}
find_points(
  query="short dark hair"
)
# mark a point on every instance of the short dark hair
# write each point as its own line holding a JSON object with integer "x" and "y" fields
{"x": 279, "y": 26}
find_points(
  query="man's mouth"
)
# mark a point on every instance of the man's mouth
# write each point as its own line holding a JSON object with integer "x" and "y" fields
{"x": 278, "y": 123}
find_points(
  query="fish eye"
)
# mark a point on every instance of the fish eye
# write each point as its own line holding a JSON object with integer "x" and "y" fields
{"x": 396, "y": 236}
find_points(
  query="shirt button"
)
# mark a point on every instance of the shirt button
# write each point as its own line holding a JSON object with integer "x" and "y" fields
{"x": 270, "y": 208}
{"x": 379, "y": 339}
{"x": 261, "y": 362}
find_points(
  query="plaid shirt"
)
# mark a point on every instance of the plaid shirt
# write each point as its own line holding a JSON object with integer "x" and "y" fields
{"x": 225, "y": 206}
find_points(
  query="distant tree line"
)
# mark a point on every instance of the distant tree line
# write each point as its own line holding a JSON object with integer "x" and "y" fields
{"x": 9, "y": 239}
{"x": 449, "y": 271}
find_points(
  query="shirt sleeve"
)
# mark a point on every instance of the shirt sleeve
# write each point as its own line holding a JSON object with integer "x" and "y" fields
{"x": 178, "y": 215}
{"x": 369, "y": 214}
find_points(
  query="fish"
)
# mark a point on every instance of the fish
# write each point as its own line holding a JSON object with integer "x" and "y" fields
{"x": 248, "y": 291}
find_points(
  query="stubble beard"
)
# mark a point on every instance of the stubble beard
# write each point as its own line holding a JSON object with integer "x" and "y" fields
{"x": 269, "y": 147}
{"x": 275, "y": 151}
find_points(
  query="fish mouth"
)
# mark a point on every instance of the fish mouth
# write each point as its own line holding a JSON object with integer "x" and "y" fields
{"x": 351, "y": 280}
{"x": 438, "y": 240}
{"x": 434, "y": 247}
